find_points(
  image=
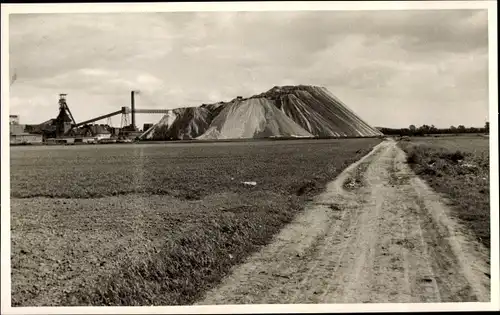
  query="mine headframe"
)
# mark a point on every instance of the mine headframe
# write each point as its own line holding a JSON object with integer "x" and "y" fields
{"x": 64, "y": 108}
{"x": 64, "y": 121}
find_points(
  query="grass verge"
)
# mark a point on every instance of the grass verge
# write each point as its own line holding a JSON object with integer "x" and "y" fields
{"x": 458, "y": 168}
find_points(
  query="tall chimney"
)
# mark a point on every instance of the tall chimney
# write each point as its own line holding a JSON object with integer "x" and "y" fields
{"x": 132, "y": 105}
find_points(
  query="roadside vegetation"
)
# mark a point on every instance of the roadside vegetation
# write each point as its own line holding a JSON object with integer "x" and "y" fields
{"x": 459, "y": 168}
{"x": 155, "y": 224}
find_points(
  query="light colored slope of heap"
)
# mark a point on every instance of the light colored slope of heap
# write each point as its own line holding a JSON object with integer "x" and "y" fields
{"x": 252, "y": 118}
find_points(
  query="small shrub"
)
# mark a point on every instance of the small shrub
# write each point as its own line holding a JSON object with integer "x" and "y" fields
{"x": 413, "y": 157}
{"x": 454, "y": 156}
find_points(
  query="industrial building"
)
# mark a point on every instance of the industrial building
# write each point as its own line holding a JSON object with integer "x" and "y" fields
{"x": 18, "y": 134}
{"x": 98, "y": 132}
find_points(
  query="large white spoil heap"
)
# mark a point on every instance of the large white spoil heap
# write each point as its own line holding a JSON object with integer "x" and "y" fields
{"x": 287, "y": 111}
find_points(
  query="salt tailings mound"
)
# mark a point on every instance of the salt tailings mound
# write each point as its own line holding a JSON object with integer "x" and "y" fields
{"x": 252, "y": 118}
{"x": 288, "y": 111}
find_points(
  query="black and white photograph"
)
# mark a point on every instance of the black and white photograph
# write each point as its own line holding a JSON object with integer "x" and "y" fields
{"x": 214, "y": 155}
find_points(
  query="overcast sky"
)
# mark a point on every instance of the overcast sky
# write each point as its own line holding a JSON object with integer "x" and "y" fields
{"x": 393, "y": 68}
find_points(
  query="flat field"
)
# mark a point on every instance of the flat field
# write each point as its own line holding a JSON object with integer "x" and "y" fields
{"x": 459, "y": 168}
{"x": 154, "y": 224}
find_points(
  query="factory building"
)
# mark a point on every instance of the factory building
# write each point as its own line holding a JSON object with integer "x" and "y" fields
{"x": 18, "y": 134}
{"x": 98, "y": 132}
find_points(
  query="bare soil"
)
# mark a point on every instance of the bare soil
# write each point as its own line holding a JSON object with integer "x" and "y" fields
{"x": 391, "y": 239}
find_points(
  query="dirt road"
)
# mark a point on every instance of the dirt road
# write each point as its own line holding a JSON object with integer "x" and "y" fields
{"x": 378, "y": 234}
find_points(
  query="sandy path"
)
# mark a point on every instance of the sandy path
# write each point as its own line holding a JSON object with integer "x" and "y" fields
{"x": 388, "y": 239}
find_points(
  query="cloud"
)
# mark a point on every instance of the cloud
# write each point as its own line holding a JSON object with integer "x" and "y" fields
{"x": 55, "y": 43}
{"x": 380, "y": 63}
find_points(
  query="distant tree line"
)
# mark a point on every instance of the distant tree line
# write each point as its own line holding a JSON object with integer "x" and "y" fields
{"x": 412, "y": 130}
